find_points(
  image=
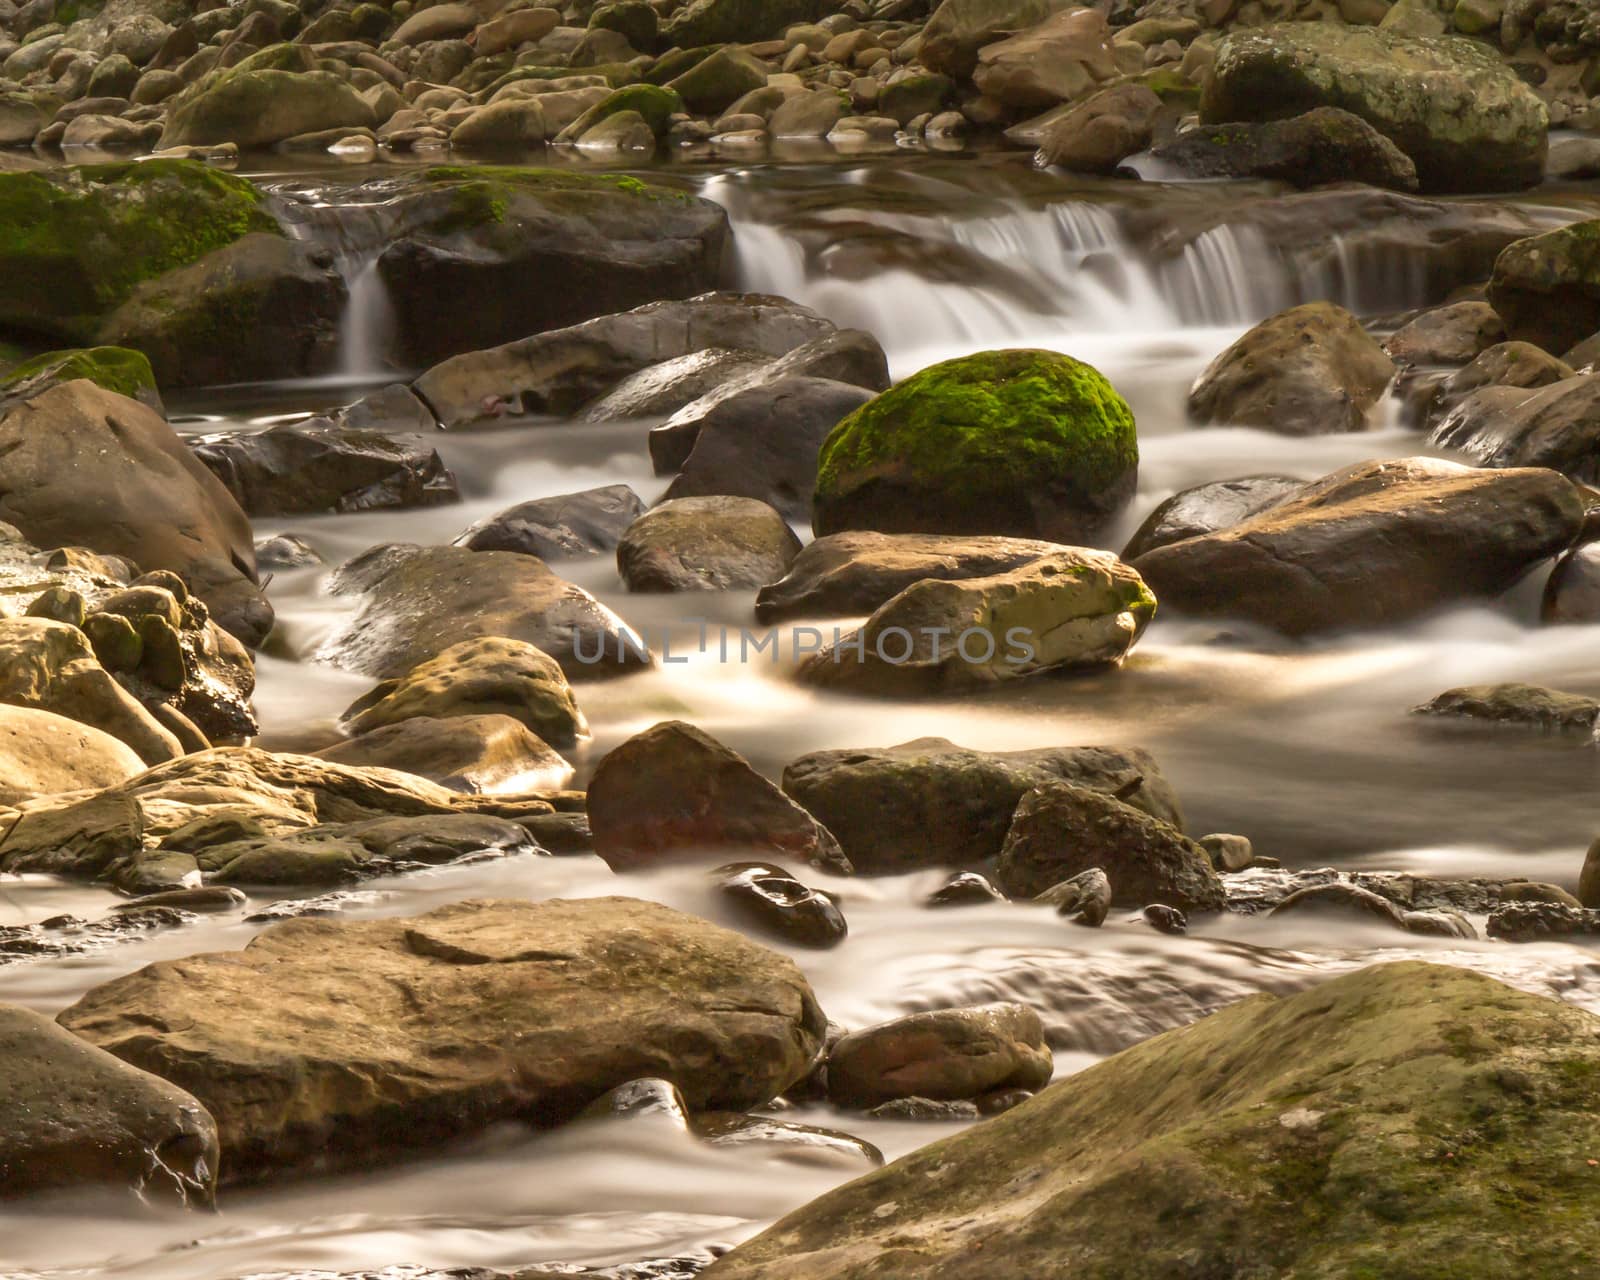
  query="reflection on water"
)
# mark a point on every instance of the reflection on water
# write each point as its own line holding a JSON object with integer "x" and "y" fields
{"x": 1306, "y": 748}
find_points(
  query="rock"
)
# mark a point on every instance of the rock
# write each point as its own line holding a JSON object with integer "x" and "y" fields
{"x": 650, "y": 103}
{"x": 87, "y": 237}
{"x": 50, "y": 667}
{"x": 1519, "y": 365}
{"x": 1454, "y": 334}
{"x": 1307, "y": 371}
{"x": 259, "y": 309}
{"x": 473, "y": 1014}
{"x": 73, "y": 1117}
{"x": 1228, "y": 852}
{"x": 1060, "y": 830}
{"x": 492, "y": 676}
{"x": 925, "y": 1110}
{"x": 1083, "y": 899}
{"x": 1100, "y": 133}
{"x": 1018, "y": 443}
{"x": 1342, "y": 899}
{"x": 571, "y": 524}
{"x": 490, "y": 255}
{"x": 1541, "y": 922}
{"x": 1326, "y": 1094}
{"x": 1520, "y": 704}
{"x": 807, "y": 115}
{"x": 1324, "y": 145}
{"x": 1465, "y": 118}
{"x": 1374, "y": 544}
{"x": 662, "y": 389}
{"x": 847, "y": 574}
{"x": 258, "y": 107}
{"x": 1168, "y": 920}
{"x": 1058, "y": 60}
{"x": 560, "y": 371}
{"x": 848, "y": 356}
{"x": 419, "y": 601}
{"x": 965, "y": 889}
{"x": 42, "y": 753}
{"x": 776, "y": 902}
{"x": 959, "y": 29}
{"x": 762, "y": 444}
{"x": 802, "y": 1144}
{"x": 1072, "y": 610}
{"x": 1573, "y": 592}
{"x": 933, "y": 803}
{"x": 706, "y": 544}
{"x": 116, "y": 369}
{"x": 703, "y": 22}
{"x": 1550, "y": 426}
{"x": 483, "y": 754}
{"x": 1207, "y": 508}
{"x": 1589, "y": 877}
{"x": 1547, "y": 287}
{"x": 87, "y": 467}
{"x": 287, "y": 551}
{"x": 254, "y": 817}
{"x": 302, "y": 467}
{"x": 945, "y": 1055}
{"x": 675, "y": 793}
{"x": 439, "y": 22}
{"x": 715, "y": 82}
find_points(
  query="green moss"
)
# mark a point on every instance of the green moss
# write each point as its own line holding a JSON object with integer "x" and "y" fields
{"x": 482, "y": 193}
{"x": 78, "y": 241}
{"x": 654, "y": 103}
{"x": 996, "y": 420}
{"x": 115, "y": 368}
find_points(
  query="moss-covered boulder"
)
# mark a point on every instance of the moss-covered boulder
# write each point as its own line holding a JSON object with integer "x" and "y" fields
{"x": 1547, "y": 288}
{"x": 654, "y": 104}
{"x": 1324, "y": 145}
{"x": 703, "y": 22}
{"x": 116, "y": 369}
{"x": 1409, "y": 1121}
{"x": 1465, "y": 118}
{"x": 490, "y": 254}
{"x": 80, "y": 240}
{"x": 257, "y": 107}
{"x": 1028, "y": 444}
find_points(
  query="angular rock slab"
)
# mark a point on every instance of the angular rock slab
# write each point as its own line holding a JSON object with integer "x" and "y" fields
{"x": 327, "y": 1045}
{"x": 1376, "y": 1117}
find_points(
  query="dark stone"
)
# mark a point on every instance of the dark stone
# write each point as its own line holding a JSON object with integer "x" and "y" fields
{"x": 586, "y": 523}
{"x": 778, "y": 903}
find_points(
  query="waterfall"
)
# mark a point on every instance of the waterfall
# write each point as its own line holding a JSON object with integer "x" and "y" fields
{"x": 366, "y": 331}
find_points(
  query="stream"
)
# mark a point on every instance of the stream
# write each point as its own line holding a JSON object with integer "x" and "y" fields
{"x": 1307, "y": 748}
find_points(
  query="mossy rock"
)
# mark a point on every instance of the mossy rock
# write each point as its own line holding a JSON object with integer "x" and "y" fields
{"x": 1024, "y": 443}
{"x": 736, "y": 21}
{"x": 1547, "y": 288}
{"x": 713, "y": 83}
{"x": 79, "y": 240}
{"x": 632, "y": 18}
{"x": 652, "y": 103}
{"x": 116, "y": 369}
{"x": 1406, "y": 1122}
{"x": 256, "y": 108}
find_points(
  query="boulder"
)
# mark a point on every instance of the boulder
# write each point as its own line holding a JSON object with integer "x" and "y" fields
{"x": 489, "y": 255}
{"x": 419, "y": 601}
{"x": 256, "y": 107}
{"x": 1555, "y": 425}
{"x": 1526, "y": 705}
{"x": 1307, "y": 371}
{"x": 959, "y": 29}
{"x": 474, "y": 1014}
{"x": 1518, "y": 365}
{"x": 117, "y": 369}
{"x": 484, "y": 754}
{"x": 715, "y": 82}
{"x": 675, "y": 793}
{"x": 1324, "y": 145}
{"x": 946, "y": 1055}
{"x": 74, "y": 1118}
{"x": 235, "y": 814}
{"x": 774, "y": 901}
{"x": 662, "y": 389}
{"x": 1073, "y": 610}
{"x": 490, "y": 676}
{"x": 932, "y": 803}
{"x": 1573, "y": 592}
{"x": 560, "y": 371}
{"x": 1060, "y": 59}
{"x": 1016, "y": 443}
{"x": 1081, "y": 899}
{"x": 84, "y": 238}
{"x": 257, "y": 310}
{"x": 1060, "y": 830}
{"x": 849, "y": 356}
{"x": 298, "y": 468}
{"x": 42, "y": 754}
{"x": 1374, "y": 544}
{"x": 706, "y": 544}
{"x": 703, "y": 22}
{"x": 1207, "y": 508}
{"x": 850, "y": 574}
{"x": 1100, "y": 133}
{"x": 1546, "y": 288}
{"x": 1464, "y": 116}
{"x": 507, "y": 31}
{"x": 1319, "y": 1133}
{"x": 586, "y": 523}
{"x": 1457, "y": 333}
{"x": 87, "y": 467}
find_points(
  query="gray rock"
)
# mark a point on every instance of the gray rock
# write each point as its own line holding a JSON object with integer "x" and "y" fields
{"x": 706, "y": 544}
{"x": 586, "y": 523}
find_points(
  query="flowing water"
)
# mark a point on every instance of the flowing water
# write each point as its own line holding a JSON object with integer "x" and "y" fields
{"x": 1306, "y": 748}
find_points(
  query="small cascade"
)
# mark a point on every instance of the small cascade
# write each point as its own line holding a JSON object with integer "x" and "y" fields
{"x": 366, "y": 331}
